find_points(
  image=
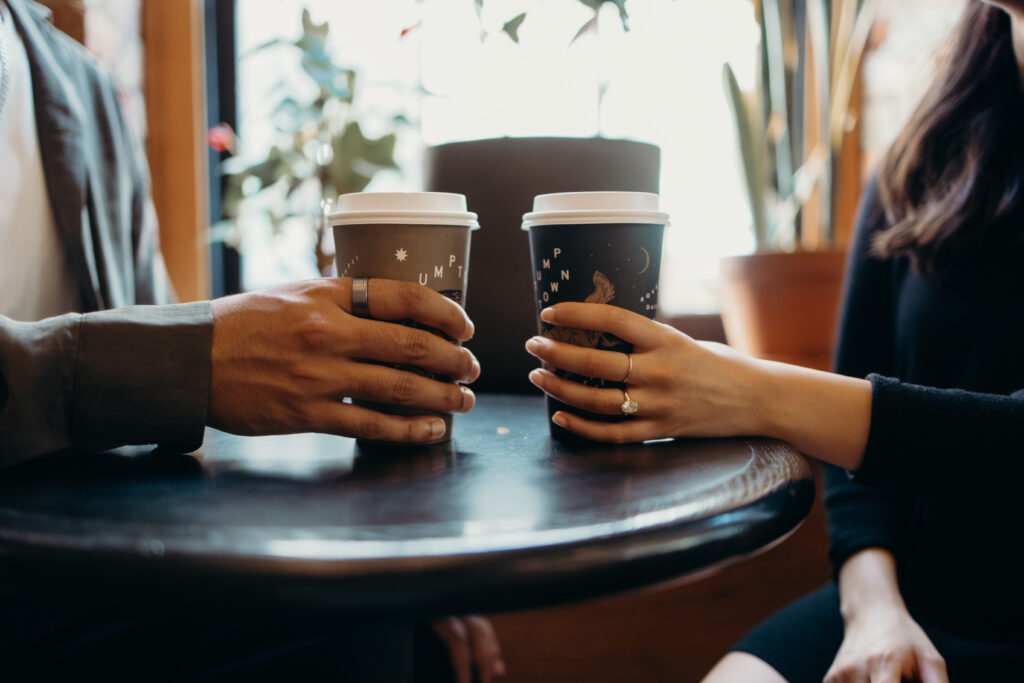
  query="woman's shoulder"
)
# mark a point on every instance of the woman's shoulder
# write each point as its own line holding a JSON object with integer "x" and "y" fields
{"x": 871, "y": 214}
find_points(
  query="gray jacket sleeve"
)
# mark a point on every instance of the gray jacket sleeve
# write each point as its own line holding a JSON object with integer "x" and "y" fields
{"x": 135, "y": 375}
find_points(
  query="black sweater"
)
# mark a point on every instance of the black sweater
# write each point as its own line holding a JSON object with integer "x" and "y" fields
{"x": 939, "y": 485}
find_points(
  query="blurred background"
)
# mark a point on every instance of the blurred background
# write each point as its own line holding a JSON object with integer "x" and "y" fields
{"x": 769, "y": 116}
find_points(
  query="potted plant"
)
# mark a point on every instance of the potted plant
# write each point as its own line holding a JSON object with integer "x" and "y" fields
{"x": 518, "y": 168}
{"x": 321, "y": 150}
{"x": 793, "y": 134}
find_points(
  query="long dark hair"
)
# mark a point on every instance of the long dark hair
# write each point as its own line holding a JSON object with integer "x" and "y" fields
{"x": 952, "y": 184}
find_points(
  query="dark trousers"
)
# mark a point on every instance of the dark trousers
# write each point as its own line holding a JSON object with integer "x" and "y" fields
{"x": 38, "y": 645}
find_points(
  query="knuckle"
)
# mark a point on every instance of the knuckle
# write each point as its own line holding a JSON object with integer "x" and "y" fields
{"x": 411, "y": 295}
{"x": 453, "y": 398}
{"x": 313, "y": 331}
{"x": 402, "y": 390}
{"x": 371, "y": 428}
{"x": 411, "y": 432}
{"x": 466, "y": 359}
{"x": 415, "y": 345}
{"x": 592, "y": 365}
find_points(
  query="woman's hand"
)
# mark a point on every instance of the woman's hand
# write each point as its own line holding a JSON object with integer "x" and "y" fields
{"x": 883, "y": 643}
{"x": 683, "y": 387}
{"x": 283, "y": 359}
{"x": 687, "y": 388}
{"x": 472, "y": 645}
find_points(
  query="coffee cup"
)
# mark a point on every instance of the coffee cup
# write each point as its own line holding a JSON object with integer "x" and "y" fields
{"x": 595, "y": 247}
{"x": 418, "y": 237}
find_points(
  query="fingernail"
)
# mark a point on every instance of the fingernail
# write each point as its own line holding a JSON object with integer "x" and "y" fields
{"x": 436, "y": 428}
{"x": 470, "y": 330}
{"x": 468, "y": 399}
{"x": 475, "y": 372}
{"x": 559, "y": 419}
{"x": 548, "y": 315}
{"x": 537, "y": 377}
{"x": 536, "y": 344}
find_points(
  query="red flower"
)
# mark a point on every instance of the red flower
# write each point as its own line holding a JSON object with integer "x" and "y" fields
{"x": 221, "y": 138}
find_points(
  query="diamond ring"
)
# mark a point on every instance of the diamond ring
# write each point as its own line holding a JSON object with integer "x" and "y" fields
{"x": 629, "y": 406}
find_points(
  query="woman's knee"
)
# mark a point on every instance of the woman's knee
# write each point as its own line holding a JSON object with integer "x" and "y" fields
{"x": 742, "y": 666}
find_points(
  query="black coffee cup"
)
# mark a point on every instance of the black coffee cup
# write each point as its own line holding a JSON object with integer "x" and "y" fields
{"x": 595, "y": 247}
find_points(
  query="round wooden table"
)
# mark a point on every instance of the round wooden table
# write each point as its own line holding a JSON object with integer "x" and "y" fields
{"x": 501, "y": 518}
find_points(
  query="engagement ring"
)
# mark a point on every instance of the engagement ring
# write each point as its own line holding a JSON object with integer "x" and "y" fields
{"x": 629, "y": 406}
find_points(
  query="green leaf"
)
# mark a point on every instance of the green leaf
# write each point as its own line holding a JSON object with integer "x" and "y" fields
{"x": 619, "y": 5}
{"x": 310, "y": 27}
{"x": 273, "y": 42}
{"x": 751, "y": 154}
{"x": 586, "y": 28}
{"x": 268, "y": 170}
{"x": 358, "y": 158}
{"x": 231, "y": 199}
{"x": 511, "y": 26}
{"x": 290, "y": 116}
{"x": 772, "y": 34}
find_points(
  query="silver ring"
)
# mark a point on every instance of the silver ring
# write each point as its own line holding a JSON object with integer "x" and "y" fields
{"x": 629, "y": 372}
{"x": 361, "y": 297}
{"x": 629, "y": 406}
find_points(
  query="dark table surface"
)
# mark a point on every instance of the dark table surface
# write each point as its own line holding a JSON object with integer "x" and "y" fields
{"x": 501, "y": 518}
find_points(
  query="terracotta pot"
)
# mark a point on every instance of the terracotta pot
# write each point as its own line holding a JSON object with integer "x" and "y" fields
{"x": 783, "y": 306}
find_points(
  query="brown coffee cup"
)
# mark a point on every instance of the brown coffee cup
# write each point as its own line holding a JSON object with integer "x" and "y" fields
{"x": 418, "y": 237}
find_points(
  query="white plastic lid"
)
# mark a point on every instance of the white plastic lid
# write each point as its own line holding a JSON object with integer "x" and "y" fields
{"x": 413, "y": 208}
{"x": 570, "y": 208}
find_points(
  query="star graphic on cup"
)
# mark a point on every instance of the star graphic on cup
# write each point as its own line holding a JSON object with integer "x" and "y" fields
{"x": 401, "y": 254}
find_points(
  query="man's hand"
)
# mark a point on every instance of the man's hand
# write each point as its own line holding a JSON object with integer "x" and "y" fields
{"x": 284, "y": 358}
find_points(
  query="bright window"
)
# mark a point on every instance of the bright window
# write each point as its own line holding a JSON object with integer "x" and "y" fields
{"x": 457, "y": 76}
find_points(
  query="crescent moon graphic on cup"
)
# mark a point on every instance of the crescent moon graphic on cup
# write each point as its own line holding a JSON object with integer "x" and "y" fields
{"x": 646, "y": 265}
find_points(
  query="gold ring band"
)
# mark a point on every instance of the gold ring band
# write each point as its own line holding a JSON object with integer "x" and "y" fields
{"x": 629, "y": 371}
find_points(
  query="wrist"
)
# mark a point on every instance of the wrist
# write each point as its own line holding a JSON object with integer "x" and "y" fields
{"x": 873, "y": 611}
{"x": 868, "y": 586}
{"x": 774, "y": 408}
{"x": 822, "y": 414}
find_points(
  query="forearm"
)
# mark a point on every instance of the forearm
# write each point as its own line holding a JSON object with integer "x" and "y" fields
{"x": 868, "y": 581}
{"x": 37, "y": 373}
{"x": 129, "y": 376}
{"x": 824, "y": 415}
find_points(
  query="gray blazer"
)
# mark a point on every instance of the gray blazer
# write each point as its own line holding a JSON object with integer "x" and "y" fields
{"x": 132, "y": 375}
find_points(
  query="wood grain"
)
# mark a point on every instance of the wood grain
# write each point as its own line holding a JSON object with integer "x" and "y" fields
{"x": 173, "y": 34}
{"x": 674, "y": 633}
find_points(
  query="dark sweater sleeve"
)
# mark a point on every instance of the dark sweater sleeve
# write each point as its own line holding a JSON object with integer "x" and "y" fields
{"x": 136, "y": 375}
{"x": 923, "y": 438}
{"x": 861, "y": 516}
